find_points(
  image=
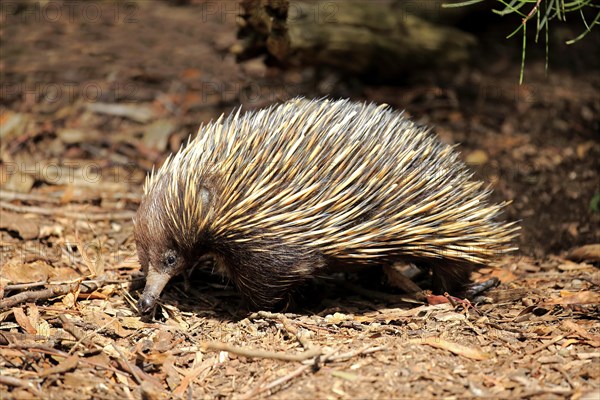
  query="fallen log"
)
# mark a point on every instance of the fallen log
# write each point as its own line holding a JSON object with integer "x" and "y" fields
{"x": 360, "y": 37}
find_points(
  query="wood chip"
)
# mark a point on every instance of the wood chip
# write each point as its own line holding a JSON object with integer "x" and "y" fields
{"x": 439, "y": 343}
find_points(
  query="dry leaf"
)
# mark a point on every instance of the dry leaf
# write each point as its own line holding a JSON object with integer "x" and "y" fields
{"x": 43, "y": 328}
{"x": 13, "y": 124}
{"x": 130, "y": 262}
{"x": 122, "y": 378}
{"x": 91, "y": 256}
{"x": 102, "y": 320}
{"x": 156, "y": 134}
{"x": 27, "y": 228}
{"x": 65, "y": 274}
{"x": 345, "y": 375}
{"x": 567, "y": 265}
{"x": 588, "y": 356}
{"x": 69, "y": 300}
{"x": 17, "y": 182}
{"x": 435, "y": 299}
{"x": 337, "y": 318}
{"x": 455, "y": 348}
{"x": 503, "y": 274}
{"x": 16, "y": 272}
{"x": 590, "y": 252}
{"x": 570, "y": 298}
{"x": 450, "y": 316}
{"x": 33, "y": 313}
{"x": 163, "y": 341}
{"x": 110, "y": 351}
{"x": 132, "y": 323}
{"x": 477, "y": 157}
{"x": 594, "y": 340}
{"x": 23, "y": 321}
{"x": 190, "y": 377}
{"x": 136, "y": 112}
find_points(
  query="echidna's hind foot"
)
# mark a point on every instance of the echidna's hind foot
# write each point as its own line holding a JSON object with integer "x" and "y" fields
{"x": 455, "y": 279}
{"x": 475, "y": 289}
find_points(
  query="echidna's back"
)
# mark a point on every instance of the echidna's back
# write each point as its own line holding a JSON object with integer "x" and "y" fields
{"x": 351, "y": 180}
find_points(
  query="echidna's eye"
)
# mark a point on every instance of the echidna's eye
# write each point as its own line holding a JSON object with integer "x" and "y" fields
{"x": 170, "y": 260}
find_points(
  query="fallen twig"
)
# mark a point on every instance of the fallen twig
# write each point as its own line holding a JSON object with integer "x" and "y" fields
{"x": 66, "y": 365}
{"x": 126, "y": 365}
{"x": 456, "y": 348}
{"x": 545, "y": 345}
{"x": 45, "y": 294}
{"x": 29, "y": 285}
{"x": 79, "y": 334}
{"x": 295, "y": 373}
{"x": 19, "y": 286}
{"x": 279, "y": 381}
{"x": 45, "y": 349}
{"x": 68, "y": 326}
{"x": 6, "y": 195}
{"x": 287, "y": 324}
{"x": 16, "y": 382}
{"x": 256, "y": 353}
{"x": 8, "y": 338}
{"x": 354, "y": 353}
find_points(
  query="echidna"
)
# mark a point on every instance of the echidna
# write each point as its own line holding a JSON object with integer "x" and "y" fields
{"x": 278, "y": 194}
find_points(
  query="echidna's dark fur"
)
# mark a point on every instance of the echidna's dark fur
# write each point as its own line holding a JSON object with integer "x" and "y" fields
{"x": 280, "y": 193}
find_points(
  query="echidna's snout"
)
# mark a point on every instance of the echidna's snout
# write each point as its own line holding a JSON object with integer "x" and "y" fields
{"x": 155, "y": 283}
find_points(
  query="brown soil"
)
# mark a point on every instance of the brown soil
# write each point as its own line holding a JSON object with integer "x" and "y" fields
{"x": 72, "y": 166}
